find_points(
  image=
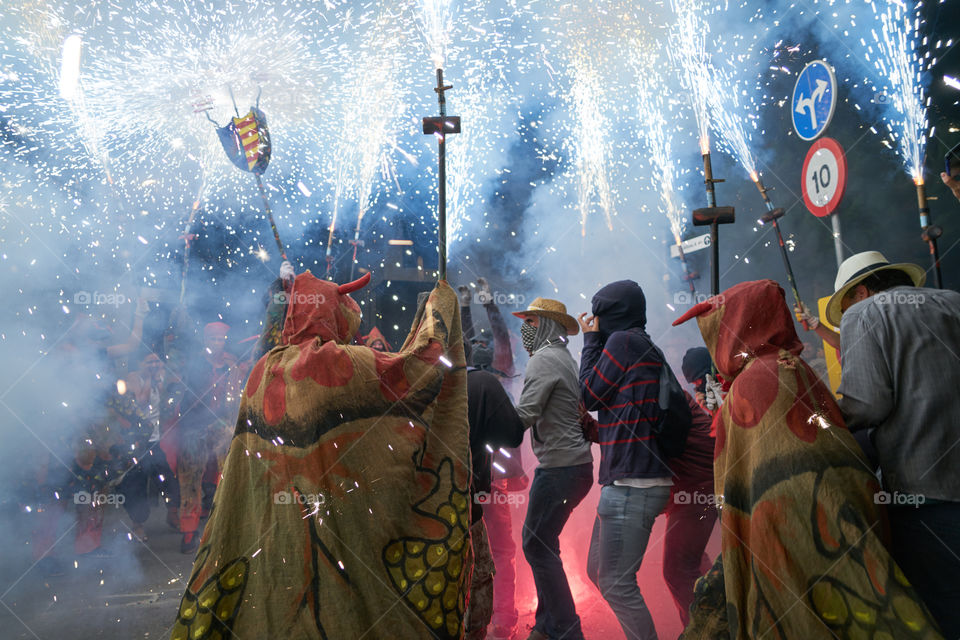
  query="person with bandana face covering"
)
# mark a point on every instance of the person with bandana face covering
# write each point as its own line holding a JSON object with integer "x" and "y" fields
{"x": 549, "y": 404}
{"x": 620, "y": 379}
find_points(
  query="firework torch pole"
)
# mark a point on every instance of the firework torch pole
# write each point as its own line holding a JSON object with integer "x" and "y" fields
{"x": 708, "y": 179}
{"x": 273, "y": 225}
{"x": 442, "y": 193}
{"x": 441, "y": 127}
{"x": 356, "y": 242}
{"x": 772, "y": 216}
{"x": 930, "y": 231}
{"x": 187, "y": 238}
{"x": 713, "y": 216}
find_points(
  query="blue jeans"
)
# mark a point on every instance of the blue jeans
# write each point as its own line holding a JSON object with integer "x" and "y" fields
{"x": 554, "y": 493}
{"x": 621, "y": 531}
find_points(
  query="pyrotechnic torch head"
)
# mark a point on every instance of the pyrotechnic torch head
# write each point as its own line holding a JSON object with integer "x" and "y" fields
{"x": 772, "y": 216}
{"x": 708, "y": 170}
{"x": 709, "y": 215}
{"x": 922, "y": 201}
{"x": 705, "y": 147}
{"x": 707, "y": 165}
{"x": 763, "y": 190}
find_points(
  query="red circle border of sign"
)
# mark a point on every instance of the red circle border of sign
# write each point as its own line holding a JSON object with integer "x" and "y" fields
{"x": 830, "y": 207}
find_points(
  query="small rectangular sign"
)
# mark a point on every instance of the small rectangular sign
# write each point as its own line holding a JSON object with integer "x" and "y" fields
{"x": 691, "y": 245}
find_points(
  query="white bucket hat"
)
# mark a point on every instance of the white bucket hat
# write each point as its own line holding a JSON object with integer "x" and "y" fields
{"x": 857, "y": 267}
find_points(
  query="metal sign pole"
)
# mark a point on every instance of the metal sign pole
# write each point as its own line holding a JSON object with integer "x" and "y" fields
{"x": 837, "y": 242}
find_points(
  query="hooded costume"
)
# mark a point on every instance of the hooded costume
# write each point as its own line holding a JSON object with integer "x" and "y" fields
{"x": 696, "y": 366}
{"x": 373, "y": 338}
{"x": 343, "y": 509}
{"x": 804, "y": 543}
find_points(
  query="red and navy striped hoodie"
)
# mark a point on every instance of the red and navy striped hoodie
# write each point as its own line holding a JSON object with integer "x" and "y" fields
{"x": 620, "y": 379}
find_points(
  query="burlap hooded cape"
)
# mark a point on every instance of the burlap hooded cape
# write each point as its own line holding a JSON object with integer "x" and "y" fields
{"x": 804, "y": 542}
{"x": 343, "y": 509}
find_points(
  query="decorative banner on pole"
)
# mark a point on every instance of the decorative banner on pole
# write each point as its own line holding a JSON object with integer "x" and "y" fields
{"x": 814, "y": 99}
{"x": 247, "y": 141}
{"x": 824, "y": 177}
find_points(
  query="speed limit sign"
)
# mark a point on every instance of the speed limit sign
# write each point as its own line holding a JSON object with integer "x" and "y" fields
{"x": 824, "y": 177}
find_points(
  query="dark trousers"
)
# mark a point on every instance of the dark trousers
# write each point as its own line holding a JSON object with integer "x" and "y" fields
{"x": 689, "y": 526}
{"x": 152, "y": 469}
{"x": 554, "y": 494}
{"x": 926, "y": 545}
{"x": 499, "y": 523}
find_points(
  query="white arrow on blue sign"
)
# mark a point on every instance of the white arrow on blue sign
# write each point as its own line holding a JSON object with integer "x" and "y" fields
{"x": 814, "y": 99}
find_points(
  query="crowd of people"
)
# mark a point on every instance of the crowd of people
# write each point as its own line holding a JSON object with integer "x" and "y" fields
{"x": 148, "y": 427}
{"x": 823, "y": 534}
{"x": 353, "y": 477}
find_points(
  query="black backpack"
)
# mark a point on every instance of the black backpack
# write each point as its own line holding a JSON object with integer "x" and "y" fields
{"x": 674, "y": 420}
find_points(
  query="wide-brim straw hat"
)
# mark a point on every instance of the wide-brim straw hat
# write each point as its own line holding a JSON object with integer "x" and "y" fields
{"x": 854, "y": 269}
{"x": 553, "y": 309}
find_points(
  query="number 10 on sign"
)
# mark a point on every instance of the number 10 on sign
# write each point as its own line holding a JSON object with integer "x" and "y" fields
{"x": 824, "y": 177}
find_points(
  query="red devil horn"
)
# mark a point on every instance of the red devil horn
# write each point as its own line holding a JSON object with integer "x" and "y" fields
{"x": 697, "y": 310}
{"x": 350, "y": 287}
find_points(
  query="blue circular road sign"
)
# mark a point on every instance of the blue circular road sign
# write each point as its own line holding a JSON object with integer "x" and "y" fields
{"x": 814, "y": 99}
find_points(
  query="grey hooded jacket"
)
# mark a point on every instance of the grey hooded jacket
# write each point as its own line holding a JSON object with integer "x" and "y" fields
{"x": 550, "y": 400}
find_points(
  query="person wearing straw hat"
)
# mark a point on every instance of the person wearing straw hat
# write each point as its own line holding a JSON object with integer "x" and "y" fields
{"x": 549, "y": 404}
{"x": 900, "y": 376}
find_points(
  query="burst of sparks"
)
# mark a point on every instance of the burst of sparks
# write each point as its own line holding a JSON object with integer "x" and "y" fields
{"x": 590, "y": 139}
{"x": 901, "y": 65}
{"x": 436, "y": 24}
{"x": 728, "y": 117}
{"x": 652, "y": 114}
{"x": 819, "y": 420}
{"x": 687, "y": 49}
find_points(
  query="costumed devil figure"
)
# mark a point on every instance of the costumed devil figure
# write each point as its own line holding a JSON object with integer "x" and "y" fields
{"x": 343, "y": 509}
{"x": 804, "y": 544}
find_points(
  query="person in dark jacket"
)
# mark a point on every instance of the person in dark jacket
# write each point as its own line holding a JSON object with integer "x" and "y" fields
{"x": 620, "y": 379}
{"x": 692, "y": 510}
{"x": 494, "y": 423}
{"x": 508, "y": 476}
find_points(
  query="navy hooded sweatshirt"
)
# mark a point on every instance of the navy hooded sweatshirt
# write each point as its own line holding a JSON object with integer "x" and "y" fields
{"x": 620, "y": 379}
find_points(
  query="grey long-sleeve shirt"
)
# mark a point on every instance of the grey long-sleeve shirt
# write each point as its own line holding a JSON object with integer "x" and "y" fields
{"x": 901, "y": 374}
{"x": 549, "y": 403}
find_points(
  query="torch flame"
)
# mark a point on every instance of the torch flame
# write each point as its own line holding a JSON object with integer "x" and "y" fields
{"x": 918, "y": 179}
{"x": 704, "y": 144}
{"x": 755, "y": 177}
